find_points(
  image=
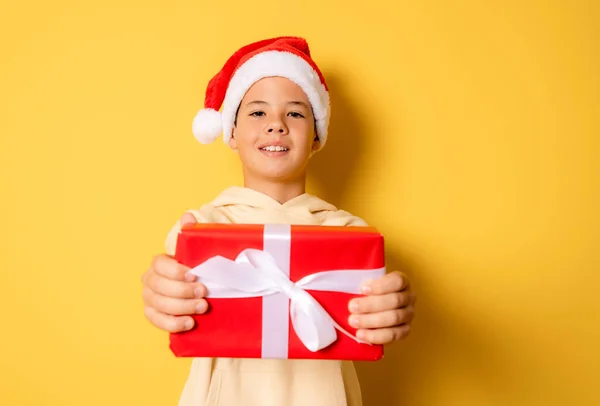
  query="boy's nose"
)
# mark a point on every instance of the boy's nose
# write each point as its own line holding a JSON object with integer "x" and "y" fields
{"x": 276, "y": 128}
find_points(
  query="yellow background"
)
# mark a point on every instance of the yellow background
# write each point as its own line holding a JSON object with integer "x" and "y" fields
{"x": 467, "y": 132}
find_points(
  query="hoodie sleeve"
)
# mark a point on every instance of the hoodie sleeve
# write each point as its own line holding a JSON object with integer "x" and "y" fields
{"x": 343, "y": 218}
{"x": 202, "y": 215}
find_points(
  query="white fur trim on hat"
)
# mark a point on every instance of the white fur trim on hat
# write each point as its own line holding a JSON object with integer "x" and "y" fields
{"x": 207, "y": 125}
{"x": 283, "y": 64}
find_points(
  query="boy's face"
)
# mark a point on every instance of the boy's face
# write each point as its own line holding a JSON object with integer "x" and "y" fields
{"x": 275, "y": 131}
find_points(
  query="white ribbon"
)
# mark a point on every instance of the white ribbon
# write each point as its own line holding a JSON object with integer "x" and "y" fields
{"x": 257, "y": 273}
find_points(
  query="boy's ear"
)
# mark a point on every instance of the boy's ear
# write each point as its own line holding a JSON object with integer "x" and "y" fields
{"x": 316, "y": 145}
{"x": 232, "y": 140}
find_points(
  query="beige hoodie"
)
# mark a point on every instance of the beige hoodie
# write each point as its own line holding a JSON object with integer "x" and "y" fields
{"x": 262, "y": 382}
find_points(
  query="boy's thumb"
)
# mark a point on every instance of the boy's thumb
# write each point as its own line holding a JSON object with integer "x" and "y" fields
{"x": 188, "y": 219}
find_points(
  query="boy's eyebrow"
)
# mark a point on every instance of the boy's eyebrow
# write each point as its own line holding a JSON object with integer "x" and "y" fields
{"x": 295, "y": 102}
{"x": 256, "y": 102}
{"x": 301, "y": 103}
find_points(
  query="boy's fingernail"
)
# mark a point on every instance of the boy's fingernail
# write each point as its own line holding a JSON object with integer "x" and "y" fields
{"x": 360, "y": 334}
{"x": 366, "y": 288}
{"x": 201, "y": 307}
{"x": 353, "y": 321}
{"x": 354, "y": 306}
{"x": 190, "y": 277}
{"x": 189, "y": 324}
{"x": 199, "y": 292}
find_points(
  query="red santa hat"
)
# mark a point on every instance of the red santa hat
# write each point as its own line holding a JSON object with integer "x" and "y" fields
{"x": 287, "y": 57}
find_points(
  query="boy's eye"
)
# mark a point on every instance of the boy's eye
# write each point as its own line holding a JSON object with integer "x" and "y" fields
{"x": 295, "y": 114}
{"x": 257, "y": 113}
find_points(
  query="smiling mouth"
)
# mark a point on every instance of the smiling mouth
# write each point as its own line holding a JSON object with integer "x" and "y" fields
{"x": 274, "y": 149}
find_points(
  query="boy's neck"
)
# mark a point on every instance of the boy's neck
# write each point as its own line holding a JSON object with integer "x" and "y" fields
{"x": 281, "y": 191}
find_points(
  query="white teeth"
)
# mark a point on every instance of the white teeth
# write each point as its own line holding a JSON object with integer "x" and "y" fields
{"x": 274, "y": 149}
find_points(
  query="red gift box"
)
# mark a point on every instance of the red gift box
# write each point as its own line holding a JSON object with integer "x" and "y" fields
{"x": 252, "y": 272}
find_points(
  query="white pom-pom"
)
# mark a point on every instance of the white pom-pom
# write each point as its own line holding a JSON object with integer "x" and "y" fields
{"x": 207, "y": 125}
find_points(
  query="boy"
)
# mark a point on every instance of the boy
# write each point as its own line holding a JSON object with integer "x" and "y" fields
{"x": 275, "y": 115}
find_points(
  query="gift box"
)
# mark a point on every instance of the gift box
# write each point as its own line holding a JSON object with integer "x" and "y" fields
{"x": 278, "y": 291}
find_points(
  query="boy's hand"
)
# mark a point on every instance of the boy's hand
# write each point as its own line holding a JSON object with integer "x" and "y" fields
{"x": 170, "y": 293}
{"x": 385, "y": 314}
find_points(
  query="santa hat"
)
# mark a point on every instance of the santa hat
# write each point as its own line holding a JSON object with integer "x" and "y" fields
{"x": 287, "y": 57}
